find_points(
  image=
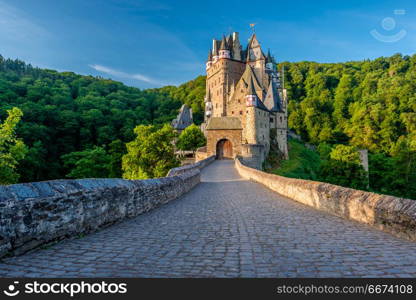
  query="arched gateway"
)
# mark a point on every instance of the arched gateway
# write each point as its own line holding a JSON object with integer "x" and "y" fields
{"x": 224, "y": 149}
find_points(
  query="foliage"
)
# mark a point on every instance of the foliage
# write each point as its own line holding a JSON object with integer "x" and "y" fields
{"x": 343, "y": 168}
{"x": 12, "y": 149}
{"x": 191, "y": 93}
{"x": 365, "y": 104}
{"x": 275, "y": 156}
{"x": 344, "y": 174}
{"x": 151, "y": 154}
{"x": 191, "y": 138}
{"x": 303, "y": 163}
{"x": 346, "y": 154}
{"x": 116, "y": 150}
{"x": 89, "y": 163}
{"x": 64, "y": 112}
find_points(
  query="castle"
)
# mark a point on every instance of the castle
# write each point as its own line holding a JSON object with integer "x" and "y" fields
{"x": 245, "y": 102}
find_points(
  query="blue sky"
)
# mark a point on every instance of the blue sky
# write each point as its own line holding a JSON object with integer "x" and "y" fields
{"x": 154, "y": 43}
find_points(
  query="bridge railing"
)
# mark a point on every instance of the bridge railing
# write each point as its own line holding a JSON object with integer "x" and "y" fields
{"x": 388, "y": 213}
{"x": 198, "y": 165}
{"x": 39, "y": 213}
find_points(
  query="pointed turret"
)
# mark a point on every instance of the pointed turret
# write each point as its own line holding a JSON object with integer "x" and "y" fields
{"x": 229, "y": 40}
{"x": 254, "y": 50}
{"x": 251, "y": 96}
{"x": 269, "y": 58}
{"x": 251, "y": 91}
{"x": 224, "y": 51}
{"x": 209, "y": 61}
{"x": 209, "y": 55}
{"x": 269, "y": 62}
{"x": 223, "y": 45}
{"x": 272, "y": 100}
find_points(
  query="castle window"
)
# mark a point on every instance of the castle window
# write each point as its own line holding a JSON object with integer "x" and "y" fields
{"x": 216, "y": 105}
{"x": 232, "y": 112}
{"x": 271, "y": 120}
{"x": 241, "y": 112}
{"x": 280, "y": 119}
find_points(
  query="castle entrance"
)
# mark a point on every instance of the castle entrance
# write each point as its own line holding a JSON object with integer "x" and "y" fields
{"x": 224, "y": 149}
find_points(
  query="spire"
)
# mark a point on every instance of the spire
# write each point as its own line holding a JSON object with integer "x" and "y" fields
{"x": 223, "y": 44}
{"x": 269, "y": 58}
{"x": 230, "y": 42}
{"x": 210, "y": 55}
{"x": 272, "y": 100}
{"x": 251, "y": 91}
{"x": 250, "y": 41}
{"x": 224, "y": 50}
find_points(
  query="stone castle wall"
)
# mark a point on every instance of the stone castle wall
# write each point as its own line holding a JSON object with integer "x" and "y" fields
{"x": 38, "y": 213}
{"x": 388, "y": 213}
{"x": 213, "y": 136}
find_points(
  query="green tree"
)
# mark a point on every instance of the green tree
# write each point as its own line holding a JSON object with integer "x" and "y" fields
{"x": 89, "y": 163}
{"x": 343, "y": 168}
{"x": 151, "y": 154}
{"x": 347, "y": 154}
{"x": 12, "y": 149}
{"x": 116, "y": 150}
{"x": 343, "y": 97}
{"x": 191, "y": 138}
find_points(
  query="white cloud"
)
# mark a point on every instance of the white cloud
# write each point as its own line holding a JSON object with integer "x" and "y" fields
{"x": 120, "y": 74}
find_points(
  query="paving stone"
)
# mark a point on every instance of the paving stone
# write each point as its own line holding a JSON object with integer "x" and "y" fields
{"x": 225, "y": 227}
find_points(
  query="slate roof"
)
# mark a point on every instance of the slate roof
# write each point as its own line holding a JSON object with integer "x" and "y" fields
{"x": 272, "y": 100}
{"x": 223, "y": 45}
{"x": 184, "y": 118}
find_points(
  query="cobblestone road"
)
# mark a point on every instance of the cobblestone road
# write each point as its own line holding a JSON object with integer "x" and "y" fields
{"x": 225, "y": 227}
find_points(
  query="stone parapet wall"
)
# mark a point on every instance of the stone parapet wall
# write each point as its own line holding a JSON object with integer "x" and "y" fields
{"x": 391, "y": 214}
{"x": 198, "y": 165}
{"x": 39, "y": 213}
{"x": 201, "y": 153}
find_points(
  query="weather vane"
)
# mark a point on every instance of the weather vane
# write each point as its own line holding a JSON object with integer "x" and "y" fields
{"x": 252, "y": 26}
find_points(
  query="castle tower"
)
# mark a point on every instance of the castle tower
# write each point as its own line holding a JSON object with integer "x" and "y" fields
{"x": 224, "y": 50}
{"x": 209, "y": 60}
{"x": 223, "y": 72}
{"x": 252, "y": 100}
{"x": 244, "y": 102}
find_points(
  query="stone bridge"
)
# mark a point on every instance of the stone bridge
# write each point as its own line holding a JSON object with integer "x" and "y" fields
{"x": 226, "y": 226}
